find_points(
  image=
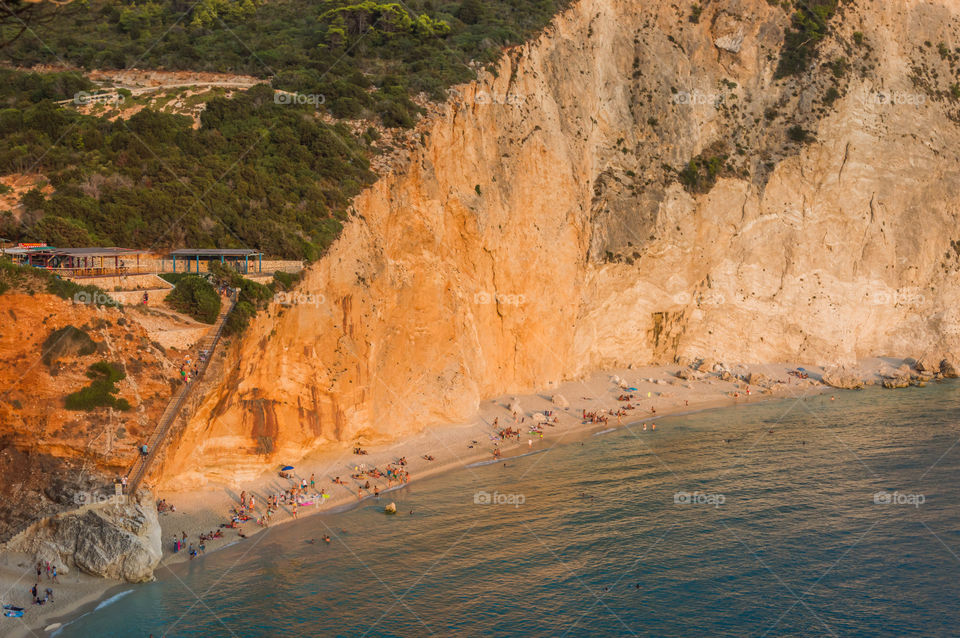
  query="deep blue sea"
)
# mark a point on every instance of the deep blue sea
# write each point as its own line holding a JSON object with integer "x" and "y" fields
{"x": 789, "y": 518}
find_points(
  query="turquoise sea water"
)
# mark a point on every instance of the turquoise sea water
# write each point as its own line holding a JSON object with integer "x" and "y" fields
{"x": 770, "y": 519}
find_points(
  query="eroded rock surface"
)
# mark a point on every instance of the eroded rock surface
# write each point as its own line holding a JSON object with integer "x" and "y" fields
{"x": 120, "y": 541}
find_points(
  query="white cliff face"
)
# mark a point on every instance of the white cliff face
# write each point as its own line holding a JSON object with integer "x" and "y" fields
{"x": 540, "y": 233}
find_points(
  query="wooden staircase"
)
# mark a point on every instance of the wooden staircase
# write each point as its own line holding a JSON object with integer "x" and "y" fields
{"x": 138, "y": 471}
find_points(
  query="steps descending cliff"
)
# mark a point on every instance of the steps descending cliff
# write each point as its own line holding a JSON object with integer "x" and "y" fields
{"x": 634, "y": 186}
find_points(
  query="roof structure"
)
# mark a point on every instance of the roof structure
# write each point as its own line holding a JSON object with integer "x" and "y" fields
{"x": 214, "y": 252}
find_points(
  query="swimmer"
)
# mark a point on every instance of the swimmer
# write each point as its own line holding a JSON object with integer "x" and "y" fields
{"x": 653, "y": 426}
{"x": 644, "y": 427}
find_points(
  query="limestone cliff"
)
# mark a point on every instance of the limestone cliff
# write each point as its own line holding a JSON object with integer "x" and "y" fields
{"x": 117, "y": 538}
{"x": 552, "y": 224}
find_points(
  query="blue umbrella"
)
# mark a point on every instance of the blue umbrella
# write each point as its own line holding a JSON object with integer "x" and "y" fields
{"x": 286, "y": 468}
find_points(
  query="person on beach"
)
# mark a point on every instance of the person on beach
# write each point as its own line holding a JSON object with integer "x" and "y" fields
{"x": 295, "y": 510}
{"x": 53, "y": 572}
{"x": 243, "y": 498}
{"x": 252, "y": 507}
{"x": 313, "y": 482}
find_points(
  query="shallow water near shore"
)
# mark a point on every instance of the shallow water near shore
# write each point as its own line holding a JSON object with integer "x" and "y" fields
{"x": 793, "y": 517}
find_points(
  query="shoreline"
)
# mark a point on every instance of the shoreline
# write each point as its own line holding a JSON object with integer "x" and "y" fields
{"x": 456, "y": 446}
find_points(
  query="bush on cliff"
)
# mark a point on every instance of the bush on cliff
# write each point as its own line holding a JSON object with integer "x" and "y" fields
{"x": 808, "y": 28}
{"x": 101, "y": 391}
{"x": 195, "y": 296}
{"x": 252, "y": 297}
{"x": 66, "y": 341}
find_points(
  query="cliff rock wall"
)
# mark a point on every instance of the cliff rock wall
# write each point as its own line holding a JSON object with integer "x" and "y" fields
{"x": 552, "y": 224}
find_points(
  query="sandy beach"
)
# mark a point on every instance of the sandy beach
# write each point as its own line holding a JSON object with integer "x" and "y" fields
{"x": 657, "y": 392}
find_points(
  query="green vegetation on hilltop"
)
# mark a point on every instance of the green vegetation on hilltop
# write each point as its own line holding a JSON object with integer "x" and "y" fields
{"x": 364, "y": 57}
{"x": 256, "y": 173}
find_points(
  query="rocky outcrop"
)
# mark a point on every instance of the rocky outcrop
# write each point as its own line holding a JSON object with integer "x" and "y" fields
{"x": 843, "y": 379}
{"x": 898, "y": 381}
{"x": 559, "y": 229}
{"x": 118, "y": 540}
{"x": 756, "y": 378}
{"x": 948, "y": 369}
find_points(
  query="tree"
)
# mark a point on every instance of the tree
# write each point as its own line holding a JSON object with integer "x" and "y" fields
{"x": 470, "y": 11}
{"x": 19, "y": 16}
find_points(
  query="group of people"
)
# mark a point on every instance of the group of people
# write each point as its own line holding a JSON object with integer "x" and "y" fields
{"x": 37, "y": 599}
{"x": 163, "y": 507}
{"x": 300, "y": 493}
{"x": 47, "y": 595}
{"x": 180, "y": 542}
{"x": 189, "y": 368}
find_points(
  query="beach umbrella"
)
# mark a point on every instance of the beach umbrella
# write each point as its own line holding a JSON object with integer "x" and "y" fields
{"x": 286, "y": 468}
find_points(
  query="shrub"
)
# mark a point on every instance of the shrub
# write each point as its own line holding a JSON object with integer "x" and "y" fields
{"x": 808, "y": 28}
{"x": 66, "y": 341}
{"x": 195, "y": 296}
{"x": 101, "y": 391}
{"x": 285, "y": 280}
{"x": 701, "y": 173}
{"x": 798, "y": 134}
